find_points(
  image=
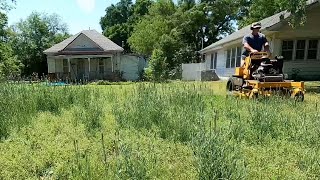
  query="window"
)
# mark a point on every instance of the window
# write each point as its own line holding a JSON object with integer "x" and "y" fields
{"x": 287, "y": 49}
{"x": 304, "y": 49}
{"x": 238, "y": 61}
{"x": 228, "y": 58}
{"x": 215, "y": 60}
{"x": 301, "y": 45}
{"x": 65, "y": 66}
{"x": 233, "y": 58}
{"x": 211, "y": 62}
{"x": 101, "y": 66}
{"x": 312, "y": 49}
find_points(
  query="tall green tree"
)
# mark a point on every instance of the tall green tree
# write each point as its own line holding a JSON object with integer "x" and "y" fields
{"x": 256, "y": 10}
{"x": 152, "y": 27}
{"x": 9, "y": 65}
{"x": 179, "y": 31}
{"x": 34, "y": 35}
{"x": 119, "y": 20}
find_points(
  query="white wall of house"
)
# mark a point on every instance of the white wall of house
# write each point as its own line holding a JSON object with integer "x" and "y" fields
{"x": 305, "y": 41}
{"x": 131, "y": 67}
{"x": 59, "y": 65}
{"x": 51, "y": 65}
{"x": 220, "y": 56}
{"x": 192, "y": 71}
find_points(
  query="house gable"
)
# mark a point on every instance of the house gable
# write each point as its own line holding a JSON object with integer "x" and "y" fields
{"x": 87, "y": 41}
{"x": 82, "y": 43}
{"x": 310, "y": 29}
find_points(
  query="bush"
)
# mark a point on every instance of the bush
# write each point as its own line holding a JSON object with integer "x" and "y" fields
{"x": 158, "y": 67}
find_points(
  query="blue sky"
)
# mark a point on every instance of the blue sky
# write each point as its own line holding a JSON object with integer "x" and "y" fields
{"x": 77, "y": 14}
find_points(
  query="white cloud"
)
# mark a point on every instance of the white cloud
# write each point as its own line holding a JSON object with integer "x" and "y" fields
{"x": 87, "y": 5}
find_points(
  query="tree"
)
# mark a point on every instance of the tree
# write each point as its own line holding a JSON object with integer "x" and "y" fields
{"x": 141, "y": 8}
{"x": 157, "y": 70}
{"x": 186, "y": 4}
{"x": 147, "y": 34}
{"x": 34, "y": 35}
{"x": 178, "y": 32}
{"x": 256, "y": 10}
{"x": 9, "y": 65}
{"x": 118, "y": 22}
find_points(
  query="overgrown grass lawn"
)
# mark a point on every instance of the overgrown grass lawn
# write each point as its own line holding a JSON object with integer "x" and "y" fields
{"x": 177, "y": 130}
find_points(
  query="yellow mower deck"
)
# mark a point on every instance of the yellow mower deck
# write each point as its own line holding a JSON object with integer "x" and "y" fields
{"x": 295, "y": 89}
{"x": 242, "y": 85}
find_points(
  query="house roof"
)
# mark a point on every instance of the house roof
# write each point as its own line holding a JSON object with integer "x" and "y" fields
{"x": 266, "y": 23}
{"x": 103, "y": 42}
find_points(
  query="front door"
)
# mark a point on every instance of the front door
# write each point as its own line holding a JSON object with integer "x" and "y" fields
{"x": 80, "y": 68}
{"x": 73, "y": 69}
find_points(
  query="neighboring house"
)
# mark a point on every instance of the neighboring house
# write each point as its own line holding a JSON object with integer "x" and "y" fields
{"x": 89, "y": 55}
{"x": 300, "y": 46}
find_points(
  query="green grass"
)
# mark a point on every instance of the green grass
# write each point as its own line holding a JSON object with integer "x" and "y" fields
{"x": 177, "y": 130}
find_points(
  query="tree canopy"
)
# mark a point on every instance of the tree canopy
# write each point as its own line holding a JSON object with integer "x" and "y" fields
{"x": 9, "y": 65}
{"x": 30, "y": 37}
{"x": 117, "y": 24}
{"x": 187, "y": 27}
{"x": 256, "y": 10}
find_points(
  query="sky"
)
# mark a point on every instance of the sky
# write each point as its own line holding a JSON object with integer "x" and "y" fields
{"x": 77, "y": 14}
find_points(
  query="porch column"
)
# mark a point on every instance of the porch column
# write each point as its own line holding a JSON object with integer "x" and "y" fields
{"x": 112, "y": 68}
{"x": 273, "y": 43}
{"x": 89, "y": 65}
{"x": 89, "y": 68}
{"x": 69, "y": 67}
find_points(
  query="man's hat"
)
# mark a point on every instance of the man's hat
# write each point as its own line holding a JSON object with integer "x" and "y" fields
{"x": 255, "y": 25}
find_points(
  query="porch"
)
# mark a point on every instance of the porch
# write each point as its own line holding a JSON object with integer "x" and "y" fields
{"x": 84, "y": 68}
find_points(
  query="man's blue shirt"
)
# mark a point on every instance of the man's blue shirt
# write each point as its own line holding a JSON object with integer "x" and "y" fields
{"x": 256, "y": 42}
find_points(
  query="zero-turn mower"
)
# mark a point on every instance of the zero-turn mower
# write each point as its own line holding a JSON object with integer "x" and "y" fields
{"x": 262, "y": 76}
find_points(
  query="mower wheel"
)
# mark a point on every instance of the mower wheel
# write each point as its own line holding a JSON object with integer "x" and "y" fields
{"x": 231, "y": 85}
{"x": 299, "y": 97}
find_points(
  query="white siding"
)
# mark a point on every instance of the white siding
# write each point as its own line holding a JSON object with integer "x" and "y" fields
{"x": 130, "y": 67}
{"x": 51, "y": 65}
{"x": 117, "y": 62}
{"x": 221, "y": 63}
{"x": 222, "y": 71}
{"x": 59, "y": 65}
{"x": 277, "y": 47}
{"x": 208, "y": 59}
{"x": 309, "y": 69}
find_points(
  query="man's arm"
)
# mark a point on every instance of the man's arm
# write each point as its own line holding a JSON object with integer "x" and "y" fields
{"x": 247, "y": 46}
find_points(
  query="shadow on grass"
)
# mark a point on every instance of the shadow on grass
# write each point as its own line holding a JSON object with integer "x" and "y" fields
{"x": 313, "y": 89}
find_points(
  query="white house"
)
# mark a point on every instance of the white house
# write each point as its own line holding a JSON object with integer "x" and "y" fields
{"x": 300, "y": 46}
{"x": 89, "y": 55}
